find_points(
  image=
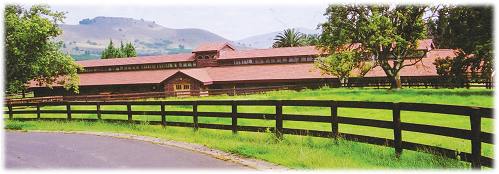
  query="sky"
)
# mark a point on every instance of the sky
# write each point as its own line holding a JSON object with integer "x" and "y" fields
{"x": 232, "y": 21}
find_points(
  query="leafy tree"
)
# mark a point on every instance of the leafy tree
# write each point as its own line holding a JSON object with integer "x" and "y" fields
{"x": 288, "y": 38}
{"x": 31, "y": 53}
{"x": 387, "y": 34}
{"x": 452, "y": 69}
{"x": 467, "y": 29}
{"x": 339, "y": 64}
{"x": 310, "y": 39}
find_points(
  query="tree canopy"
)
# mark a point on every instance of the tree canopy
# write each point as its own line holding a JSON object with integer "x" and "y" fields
{"x": 288, "y": 38}
{"x": 340, "y": 64}
{"x": 31, "y": 53}
{"x": 293, "y": 38}
{"x": 127, "y": 50}
{"x": 467, "y": 29}
{"x": 386, "y": 34}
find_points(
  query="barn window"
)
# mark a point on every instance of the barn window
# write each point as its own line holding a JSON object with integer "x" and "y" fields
{"x": 178, "y": 87}
{"x": 182, "y": 87}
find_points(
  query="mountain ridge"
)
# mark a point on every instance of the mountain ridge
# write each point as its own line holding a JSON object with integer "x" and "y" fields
{"x": 89, "y": 37}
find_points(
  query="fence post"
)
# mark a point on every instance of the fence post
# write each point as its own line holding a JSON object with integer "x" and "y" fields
{"x": 68, "y": 110}
{"x": 129, "y": 110}
{"x": 11, "y": 115}
{"x": 98, "y": 111}
{"x": 234, "y": 117}
{"x": 195, "y": 115}
{"x": 397, "y": 131}
{"x": 163, "y": 114}
{"x": 278, "y": 119}
{"x": 334, "y": 119}
{"x": 476, "y": 144}
{"x": 38, "y": 111}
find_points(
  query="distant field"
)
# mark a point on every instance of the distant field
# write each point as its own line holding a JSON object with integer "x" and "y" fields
{"x": 312, "y": 148}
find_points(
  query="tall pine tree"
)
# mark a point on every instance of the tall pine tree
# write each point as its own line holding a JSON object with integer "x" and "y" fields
{"x": 127, "y": 50}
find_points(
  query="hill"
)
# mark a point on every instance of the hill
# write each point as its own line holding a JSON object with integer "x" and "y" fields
{"x": 87, "y": 39}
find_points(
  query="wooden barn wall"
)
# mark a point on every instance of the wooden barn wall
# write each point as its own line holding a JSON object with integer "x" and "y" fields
{"x": 181, "y": 78}
{"x": 95, "y": 90}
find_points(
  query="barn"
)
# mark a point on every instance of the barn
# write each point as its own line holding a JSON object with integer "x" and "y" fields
{"x": 221, "y": 66}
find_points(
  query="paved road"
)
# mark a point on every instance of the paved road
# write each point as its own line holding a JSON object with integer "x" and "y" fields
{"x": 59, "y": 150}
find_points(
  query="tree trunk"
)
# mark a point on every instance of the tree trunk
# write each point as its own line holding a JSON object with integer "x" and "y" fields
{"x": 395, "y": 82}
{"x": 24, "y": 93}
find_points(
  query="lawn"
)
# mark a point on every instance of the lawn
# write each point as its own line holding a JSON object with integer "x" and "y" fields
{"x": 307, "y": 152}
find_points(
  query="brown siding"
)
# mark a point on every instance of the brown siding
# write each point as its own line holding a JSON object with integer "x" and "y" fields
{"x": 95, "y": 90}
{"x": 181, "y": 78}
{"x": 203, "y": 62}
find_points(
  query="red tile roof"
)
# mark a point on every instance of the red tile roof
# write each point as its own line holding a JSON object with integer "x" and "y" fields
{"x": 123, "y": 77}
{"x": 270, "y": 52}
{"x": 265, "y": 72}
{"x": 255, "y": 53}
{"x": 138, "y": 60}
{"x": 425, "y": 44}
{"x": 200, "y": 74}
{"x": 212, "y": 46}
{"x": 209, "y": 75}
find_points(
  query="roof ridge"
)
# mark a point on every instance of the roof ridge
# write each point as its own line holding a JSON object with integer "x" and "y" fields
{"x": 275, "y": 48}
{"x": 136, "y": 57}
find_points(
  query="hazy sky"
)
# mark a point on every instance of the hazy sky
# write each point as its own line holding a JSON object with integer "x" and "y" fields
{"x": 232, "y": 21}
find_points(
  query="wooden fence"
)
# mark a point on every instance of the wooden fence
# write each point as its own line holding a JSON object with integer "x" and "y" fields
{"x": 417, "y": 81}
{"x": 475, "y": 114}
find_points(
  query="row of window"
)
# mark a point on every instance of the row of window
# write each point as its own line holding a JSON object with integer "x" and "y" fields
{"x": 182, "y": 87}
{"x": 193, "y": 64}
{"x": 272, "y": 60}
{"x": 142, "y": 67}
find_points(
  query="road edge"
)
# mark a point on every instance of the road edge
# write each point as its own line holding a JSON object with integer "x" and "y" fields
{"x": 218, "y": 154}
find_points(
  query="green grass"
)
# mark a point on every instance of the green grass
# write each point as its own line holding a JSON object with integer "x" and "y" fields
{"x": 320, "y": 158}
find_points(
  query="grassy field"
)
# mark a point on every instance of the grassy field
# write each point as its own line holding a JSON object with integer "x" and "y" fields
{"x": 306, "y": 152}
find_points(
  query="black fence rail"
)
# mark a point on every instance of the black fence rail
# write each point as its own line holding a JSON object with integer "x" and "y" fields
{"x": 475, "y": 114}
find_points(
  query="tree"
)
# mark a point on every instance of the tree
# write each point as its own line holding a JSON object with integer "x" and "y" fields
{"x": 310, "y": 39}
{"x": 453, "y": 69}
{"x": 288, "y": 38}
{"x": 339, "y": 65}
{"x": 469, "y": 31}
{"x": 127, "y": 50}
{"x": 121, "y": 51}
{"x": 109, "y": 51}
{"x": 387, "y": 34}
{"x": 31, "y": 53}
